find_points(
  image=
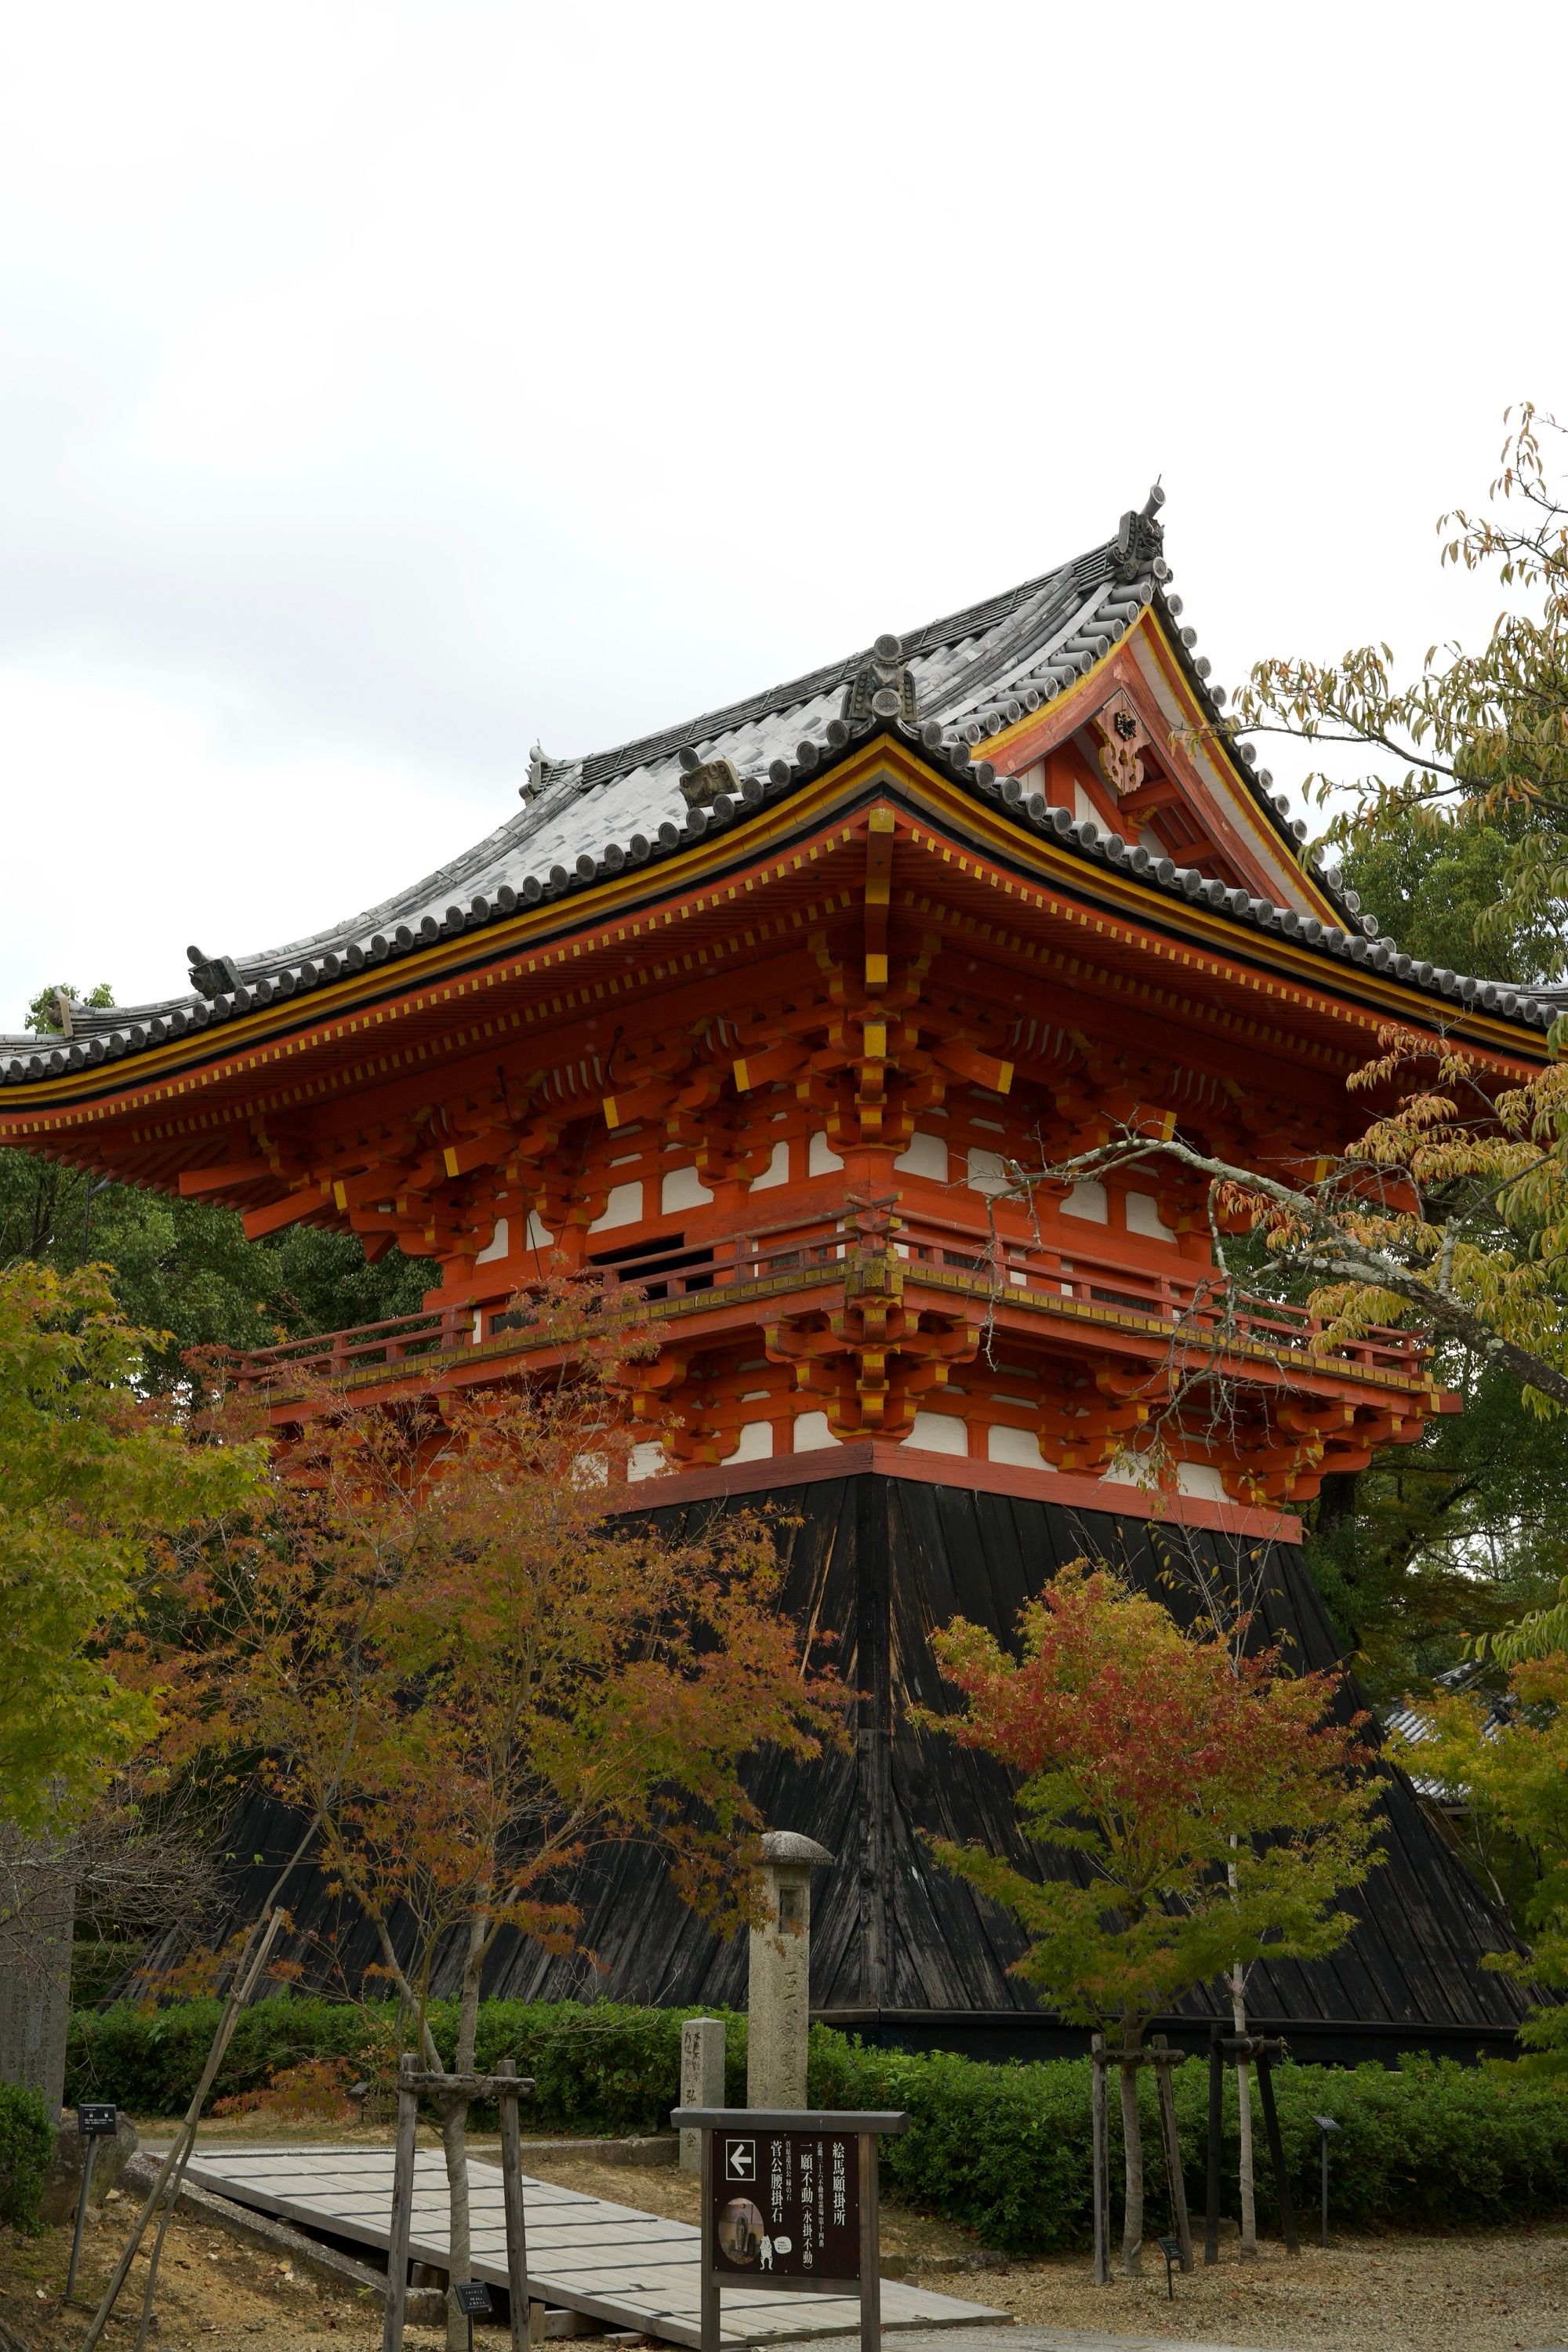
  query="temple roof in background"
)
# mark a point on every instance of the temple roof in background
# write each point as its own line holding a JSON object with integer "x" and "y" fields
{"x": 947, "y": 687}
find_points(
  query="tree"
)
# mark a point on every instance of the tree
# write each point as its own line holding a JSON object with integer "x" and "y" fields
{"x": 94, "y": 1475}
{"x": 1503, "y": 1768}
{"x": 182, "y": 1271}
{"x": 1477, "y": 739}
{"x": 448, "y": 1644}
{"x": 1435, "y": 1544}
{"x": 1438, "y": 885}
{"x": 1216, "y": 1807}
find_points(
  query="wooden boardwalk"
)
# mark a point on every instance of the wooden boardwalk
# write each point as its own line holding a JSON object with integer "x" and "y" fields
{"x": 611, "y": 2262}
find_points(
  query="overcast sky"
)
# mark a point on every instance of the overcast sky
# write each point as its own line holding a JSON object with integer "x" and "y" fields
{"x": 383, "y": 387}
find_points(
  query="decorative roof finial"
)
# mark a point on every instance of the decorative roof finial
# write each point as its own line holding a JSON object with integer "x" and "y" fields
{"x": 1140, "y": 535}
{"x": 212, "y": 975}
{"x": 702, "y": 781}
{"x": 883, "y": 686}
{"x": 537, "y": 765}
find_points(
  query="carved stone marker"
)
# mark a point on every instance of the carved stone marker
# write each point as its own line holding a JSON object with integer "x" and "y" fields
{"x": 702, "y": 2079}
{"x": 778, "y": 1994}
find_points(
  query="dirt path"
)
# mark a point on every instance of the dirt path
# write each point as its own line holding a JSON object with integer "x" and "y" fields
{"x": 211, "y": 2291}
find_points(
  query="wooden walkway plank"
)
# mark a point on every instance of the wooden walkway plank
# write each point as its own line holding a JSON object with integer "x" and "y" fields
{"x": 611, "y": 2262}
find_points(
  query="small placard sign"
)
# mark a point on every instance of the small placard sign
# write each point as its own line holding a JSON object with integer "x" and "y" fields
{"x": 473, "y": 2295}
{"x": 786, "y": 2203}
{"x": 96, "y": 2119}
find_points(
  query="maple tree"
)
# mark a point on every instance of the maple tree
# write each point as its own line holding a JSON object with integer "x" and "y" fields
{"x": 453, "y": 1646}
{"x": 1216, "y": 1808}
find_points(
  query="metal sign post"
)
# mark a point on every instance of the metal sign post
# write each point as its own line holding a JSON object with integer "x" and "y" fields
{"x": 95, "y": 2120}
{"x": 789, "y": 2201}
{"x": 473, "y": 2295}
{"x": 1326, "y": 2123}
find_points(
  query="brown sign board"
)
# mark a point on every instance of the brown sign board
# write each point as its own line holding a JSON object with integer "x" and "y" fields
{"x": 787, "y": 2204}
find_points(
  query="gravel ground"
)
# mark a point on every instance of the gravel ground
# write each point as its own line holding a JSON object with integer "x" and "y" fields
{"x": 1493, "y": 2294}
{"x": 1500, "y": 2293}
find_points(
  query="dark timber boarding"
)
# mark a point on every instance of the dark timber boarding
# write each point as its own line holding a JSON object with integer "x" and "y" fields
{"x": 903, "y": 1953}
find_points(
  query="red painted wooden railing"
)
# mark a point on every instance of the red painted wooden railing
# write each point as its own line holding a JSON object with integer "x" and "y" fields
{"x": 1093, "y": 1277}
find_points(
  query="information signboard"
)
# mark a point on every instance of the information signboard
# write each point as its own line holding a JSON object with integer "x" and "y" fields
{"x": 787, "y": 2204}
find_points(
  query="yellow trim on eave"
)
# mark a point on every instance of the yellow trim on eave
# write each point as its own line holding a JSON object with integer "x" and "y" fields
{"x": 1175, "y": 677}
{"x": 811, "y": 804}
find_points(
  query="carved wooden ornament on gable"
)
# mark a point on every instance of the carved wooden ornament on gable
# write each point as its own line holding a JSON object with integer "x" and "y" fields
{"x": 1123, "y": 739}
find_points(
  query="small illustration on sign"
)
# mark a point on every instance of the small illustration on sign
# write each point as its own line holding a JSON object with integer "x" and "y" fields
{"x": 739, "y": 2159}
{"x": 740, "y": 2234}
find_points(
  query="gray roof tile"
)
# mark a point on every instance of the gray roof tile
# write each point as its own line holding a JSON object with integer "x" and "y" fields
{"x": 587, "y": 815}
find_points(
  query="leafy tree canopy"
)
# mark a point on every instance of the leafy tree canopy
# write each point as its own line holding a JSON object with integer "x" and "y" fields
{"x": 1478, "y": 737}
{"x": 1210, "y": 1799}
{"x": 184, "y": 1269}
{"x": 93, "y": 1476}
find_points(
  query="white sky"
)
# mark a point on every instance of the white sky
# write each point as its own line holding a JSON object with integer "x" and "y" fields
{"x": 384, "y": 386}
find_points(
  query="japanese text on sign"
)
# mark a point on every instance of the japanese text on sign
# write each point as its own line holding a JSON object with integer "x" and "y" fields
{"x": 798, "y": 2213}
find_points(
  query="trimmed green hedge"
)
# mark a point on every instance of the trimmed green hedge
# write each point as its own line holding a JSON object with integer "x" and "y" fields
{"x": 1006, "y": 2149}
{"x": 1002, "y": 2149}
{"x": 26, "y": 2145}
{"x": 598, "y": 2067}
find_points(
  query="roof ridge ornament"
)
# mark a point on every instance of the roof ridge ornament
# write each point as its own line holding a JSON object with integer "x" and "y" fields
{"x": 1140, "y": 537}
{"x": 882, "y": 687}
{"x": 212, "y": 975}
{"x": 703, "y": 782}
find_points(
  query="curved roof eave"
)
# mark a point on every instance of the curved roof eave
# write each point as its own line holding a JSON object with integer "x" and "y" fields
{"x": 972, "y": 674}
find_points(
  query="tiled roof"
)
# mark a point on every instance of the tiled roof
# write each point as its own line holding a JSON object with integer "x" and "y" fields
{"x": 972, "y": 674}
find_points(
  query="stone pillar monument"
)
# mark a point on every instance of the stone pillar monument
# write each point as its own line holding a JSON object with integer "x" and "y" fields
{"x": 778, "y": 1992}
{"x": 702, "y": 2079}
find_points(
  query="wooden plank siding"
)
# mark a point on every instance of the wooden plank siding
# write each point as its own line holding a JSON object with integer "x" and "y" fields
{"x": 901, "y": 1950}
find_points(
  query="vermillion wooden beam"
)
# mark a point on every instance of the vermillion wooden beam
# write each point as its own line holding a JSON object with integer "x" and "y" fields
{"x": 638, "y": 1102}
{"x": 195, "y": 1181}
{"x": 981, "y": 1069}
{"x": 276, "y": 1214}
{"x": 880, "y": 839}
{"x": 760, "y": 1069}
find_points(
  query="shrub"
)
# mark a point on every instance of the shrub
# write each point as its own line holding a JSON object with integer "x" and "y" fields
{"x": 315, "y": 2091}
{"x": 1003, "y": 2150}
{"x": 600, "y": 2067}
{"x": 1006, "y": 2149}
{"x": 26, "y": 2145}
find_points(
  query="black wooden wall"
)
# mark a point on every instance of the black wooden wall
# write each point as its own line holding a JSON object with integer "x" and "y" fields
{"x": 900, "y": 1951}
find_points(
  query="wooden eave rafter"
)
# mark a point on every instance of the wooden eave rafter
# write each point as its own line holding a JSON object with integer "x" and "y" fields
{"x": 710, "y": 911}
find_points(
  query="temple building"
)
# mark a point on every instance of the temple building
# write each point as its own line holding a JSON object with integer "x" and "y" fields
{"x": 757, "y": 1012}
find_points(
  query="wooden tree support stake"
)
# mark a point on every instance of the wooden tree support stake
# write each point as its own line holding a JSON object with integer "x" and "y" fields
{"x": 1276, "y": 2148}
{"x": 1164, "y": 2058}
{"x": 506, "y": 2088}
{"x": 1161, "y": 2057}
{"x": 1264, "y": 2050}
{"x": 1215, "y": 2146}
{"x": 1098, "y": 2102}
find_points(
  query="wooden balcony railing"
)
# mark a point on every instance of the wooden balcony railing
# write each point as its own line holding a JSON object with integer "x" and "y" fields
{"x": 1013, "y": 1272}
